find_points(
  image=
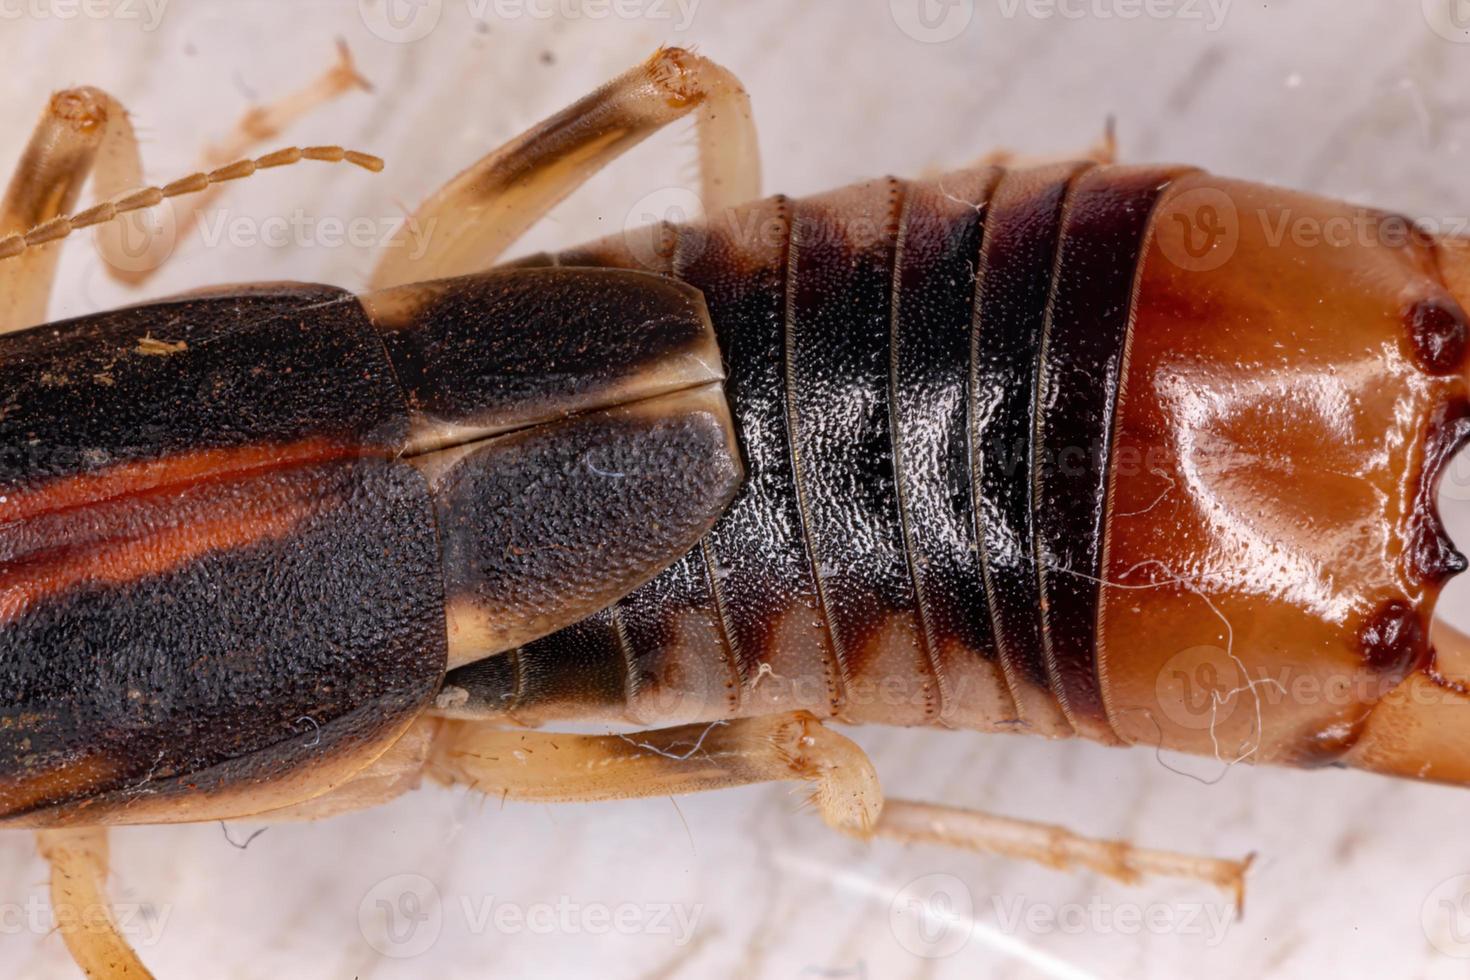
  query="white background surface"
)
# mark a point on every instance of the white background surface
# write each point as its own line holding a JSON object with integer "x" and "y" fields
{"x": 1360, "y": 100}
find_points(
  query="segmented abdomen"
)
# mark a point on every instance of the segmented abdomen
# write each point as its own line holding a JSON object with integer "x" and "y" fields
{"x": 907, "y": 362}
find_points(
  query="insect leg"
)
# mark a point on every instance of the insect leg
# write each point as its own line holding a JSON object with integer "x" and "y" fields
{"x": 552, "y": 768}
{"x": 78, "y": 859}
{"x": 470, "y": 221}
{"x": 1051, "y": 845}
{"x": 46, "y": 183}
{"x": 545, "y": 767}
{"x": 86, "y": 131}
{"x": 1104, "y": 152}
{"x": 135, "y": 247}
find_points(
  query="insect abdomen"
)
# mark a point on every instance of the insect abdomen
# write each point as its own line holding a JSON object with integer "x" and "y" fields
{"x": 936, "y": 400}
{"x": 866, "y": 369}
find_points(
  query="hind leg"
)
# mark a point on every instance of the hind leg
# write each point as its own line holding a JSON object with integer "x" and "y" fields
{"x": 552, "y": 768}
{"x": 545, "y": 767}
{"x": 467, "y": 224}
{"x": 1053, "y": 846}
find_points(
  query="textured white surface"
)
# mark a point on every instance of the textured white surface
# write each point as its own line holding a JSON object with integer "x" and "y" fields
{"x": 1361, "y": 100}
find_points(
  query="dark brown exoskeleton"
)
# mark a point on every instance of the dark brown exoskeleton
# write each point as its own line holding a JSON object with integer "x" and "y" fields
{"x": 1065, "y": 449}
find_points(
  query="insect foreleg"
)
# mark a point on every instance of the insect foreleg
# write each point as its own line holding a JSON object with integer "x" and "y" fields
{"x": 78, "y": 859}
{"x": 470, "y": 221}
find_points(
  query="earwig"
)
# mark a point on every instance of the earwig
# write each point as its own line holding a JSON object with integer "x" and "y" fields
{"x": 1074, "y": 449}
